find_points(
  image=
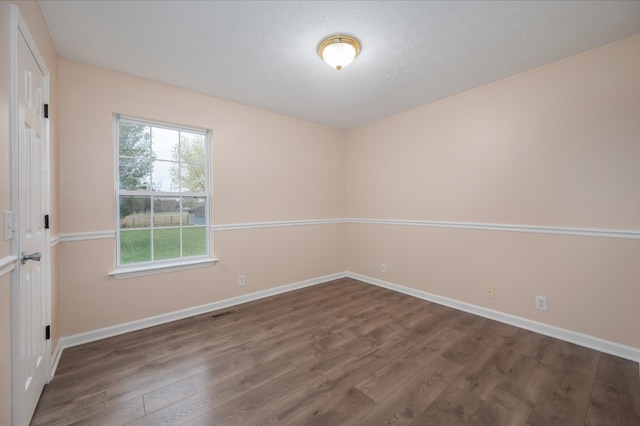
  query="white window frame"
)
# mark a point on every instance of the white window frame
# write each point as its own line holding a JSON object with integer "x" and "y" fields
{"x": 130, "y": 270}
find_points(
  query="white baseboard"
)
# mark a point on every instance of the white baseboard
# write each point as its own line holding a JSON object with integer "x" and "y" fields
{"x": 103, "y": 333}
{"x": 55, "y": 358}
{"x": 622, "y": 351}
{"x": 606, "y": 346}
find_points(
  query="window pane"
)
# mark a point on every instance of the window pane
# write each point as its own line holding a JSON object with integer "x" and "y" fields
{"x": 196, "y": 209}
{"x": 134, "y": 140}
{"x": 134, "y": 173}
{"x": 192, "y": 148}
{"x": 192, "y": 177}
{"x": 165, "y": 143}
{"x": 166, "y": 211}
{"x": 135, "y": 245}
{"x": 166, "y": 243}
{"x": 135, "y": 212}
{"x": 194, "y": 241}
{"x": 161, "y": 179}
{"x": 192, "y": 157}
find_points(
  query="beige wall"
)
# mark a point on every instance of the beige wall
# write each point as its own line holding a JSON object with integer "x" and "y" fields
{"x": 555, "y": 146}
{"x": 265, "y": 167}
{"x": 31, "y": 13}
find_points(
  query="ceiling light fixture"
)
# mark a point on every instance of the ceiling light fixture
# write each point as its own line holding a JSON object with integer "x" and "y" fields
{"x": 339, "y": 50}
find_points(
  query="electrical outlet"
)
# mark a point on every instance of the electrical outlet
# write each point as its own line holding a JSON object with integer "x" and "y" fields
{"x": 541, "y": 303}
{"x": 383, "y": 267}
{"x": 489, "y": 292}
{"x": 242, "y": 280}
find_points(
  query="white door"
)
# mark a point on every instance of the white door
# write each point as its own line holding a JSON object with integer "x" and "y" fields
{"x": 32, "y": 184}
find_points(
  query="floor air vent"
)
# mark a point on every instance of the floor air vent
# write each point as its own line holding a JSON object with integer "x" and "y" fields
{"x": 222, "y": 314}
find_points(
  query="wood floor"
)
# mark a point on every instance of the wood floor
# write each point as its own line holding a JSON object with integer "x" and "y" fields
{"x": 339, "y": 353}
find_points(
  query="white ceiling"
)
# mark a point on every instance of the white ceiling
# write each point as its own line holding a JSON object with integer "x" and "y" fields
{"x": 263, "y": 53}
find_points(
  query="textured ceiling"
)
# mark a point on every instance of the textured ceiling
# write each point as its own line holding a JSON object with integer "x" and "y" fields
{"x": 263, "y": 53}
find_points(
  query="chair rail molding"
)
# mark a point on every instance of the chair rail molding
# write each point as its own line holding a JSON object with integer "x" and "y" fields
{"x": 7, "y": 264}
{"x": 631, "y": 234}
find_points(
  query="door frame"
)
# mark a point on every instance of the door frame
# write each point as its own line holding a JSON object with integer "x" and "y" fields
{"x": 18, "y": 28}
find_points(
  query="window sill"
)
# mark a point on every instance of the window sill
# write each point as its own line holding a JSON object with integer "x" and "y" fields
{"x": 141, "y": 271}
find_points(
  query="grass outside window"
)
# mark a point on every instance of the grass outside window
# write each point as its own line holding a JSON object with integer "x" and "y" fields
{"x": 135, "y": 244}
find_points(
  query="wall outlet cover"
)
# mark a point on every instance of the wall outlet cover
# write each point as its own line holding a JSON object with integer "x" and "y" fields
{"x": 490, "y": 292}
{"x": 541, "y": 303}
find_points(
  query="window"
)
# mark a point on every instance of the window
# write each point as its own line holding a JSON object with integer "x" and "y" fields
{"x": 162, "y": 195}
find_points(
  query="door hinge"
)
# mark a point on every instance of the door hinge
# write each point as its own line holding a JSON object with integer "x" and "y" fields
{"x": 46, "y": 221}
{"x": 47, "y": 332}
{"x": 46, "y": 110}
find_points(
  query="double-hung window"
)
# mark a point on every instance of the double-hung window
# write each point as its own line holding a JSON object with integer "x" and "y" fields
{"x": 162, "y": 195}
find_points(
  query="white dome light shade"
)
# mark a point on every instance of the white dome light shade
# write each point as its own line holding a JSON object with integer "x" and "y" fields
{"x": 339, "y": 55}
{"x": 339, "y": 51}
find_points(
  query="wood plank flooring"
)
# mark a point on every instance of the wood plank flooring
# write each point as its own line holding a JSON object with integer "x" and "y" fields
{"x": 340, "y": 353}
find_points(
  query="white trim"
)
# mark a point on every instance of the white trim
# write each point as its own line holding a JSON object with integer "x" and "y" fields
{"x": 118, "y": 193}
{"x": 7, "y": 264}
{"x": 103, "y": 333}
{"x": 55, "y": 358}
{"x": 161, "y": 268}
{"x": 169, "y": 126}
{"x": 556, "y": 230}
{"x": 84, "y": 236}
{"x": 254, "y": 225}
{"x": 24, "y": 30}
{"x": 630, "y": 234}
{"x": 16, "y": 20}
{"x": 98, "y": 235}
{"x": 595, "y": 343}
{"x": 55, "y": 240}
{"x": 606, "y": 346}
